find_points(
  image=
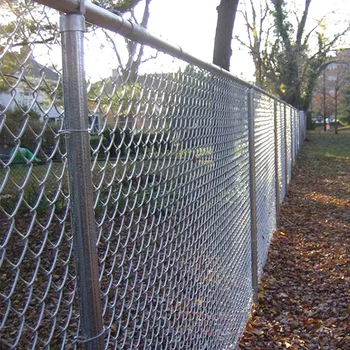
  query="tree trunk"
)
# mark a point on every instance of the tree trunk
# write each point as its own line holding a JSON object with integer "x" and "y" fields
{"x": 223, "y": 36}
{"x": 135, "y": 58}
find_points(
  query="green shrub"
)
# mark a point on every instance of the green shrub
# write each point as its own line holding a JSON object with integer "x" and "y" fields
{"x": 31, "y": 129}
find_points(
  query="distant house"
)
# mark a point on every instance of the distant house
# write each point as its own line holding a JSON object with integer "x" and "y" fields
{"x": 331, "y": 82}
{"x": 25, "y": 82}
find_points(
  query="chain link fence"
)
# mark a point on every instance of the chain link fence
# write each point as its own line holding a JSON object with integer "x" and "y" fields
{"x": 139, "y": 186}
{"x": 280, "y": 138}
{"x": 264, "y": 146}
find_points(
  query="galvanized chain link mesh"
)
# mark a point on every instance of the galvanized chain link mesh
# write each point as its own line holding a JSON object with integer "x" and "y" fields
{"x": 173, "y": 233}
{"x": 289, "y": 154}
{"x": 293, "y": 136}
{"x": 38, "y": 287}
{"x": 296, "y": 133}
{"x": 265, "y": 173}
{"x": 171, "y": 186}
{"x": 281, "y": 150}
{"x": 302, "y": 128}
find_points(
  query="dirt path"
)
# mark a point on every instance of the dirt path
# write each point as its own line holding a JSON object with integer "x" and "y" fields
{"x": 304, "y": 298}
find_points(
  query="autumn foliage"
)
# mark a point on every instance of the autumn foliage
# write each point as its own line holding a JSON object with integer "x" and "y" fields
{"x": 304, "y": 295}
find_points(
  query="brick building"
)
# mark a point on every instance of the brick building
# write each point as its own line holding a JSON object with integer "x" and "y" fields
{"x": 328, "y": 91}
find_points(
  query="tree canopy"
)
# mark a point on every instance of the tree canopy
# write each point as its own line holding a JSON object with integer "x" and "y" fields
{"x": 288, "y": 53}
{"x": 117, "y": 5}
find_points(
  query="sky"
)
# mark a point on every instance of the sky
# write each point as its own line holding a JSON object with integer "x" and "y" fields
{"x": 191, "y": 24}
{"x": 188, "y": 23}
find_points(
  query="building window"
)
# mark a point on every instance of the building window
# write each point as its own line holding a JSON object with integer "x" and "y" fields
{"x": 333, "y": 66}
{"x": 331, "y": 78}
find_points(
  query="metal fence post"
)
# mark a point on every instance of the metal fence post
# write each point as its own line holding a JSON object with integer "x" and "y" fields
{"x": 252, "y": 186}
{"x": 277, "y": 173}
{"x": 81, "y": 191}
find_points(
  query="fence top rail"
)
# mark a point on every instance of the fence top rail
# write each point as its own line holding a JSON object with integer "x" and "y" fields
{"x": 106, "y": 19}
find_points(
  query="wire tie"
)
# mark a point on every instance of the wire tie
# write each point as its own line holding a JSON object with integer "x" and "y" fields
{"x": 83, "y": 340}
{"x": 70, "y": 131}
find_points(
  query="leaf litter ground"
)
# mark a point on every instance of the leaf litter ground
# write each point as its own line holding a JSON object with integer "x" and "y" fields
{"x": 304, "y": 294}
